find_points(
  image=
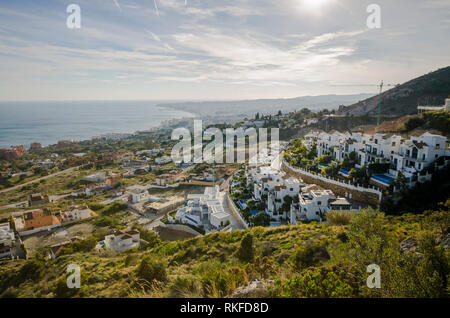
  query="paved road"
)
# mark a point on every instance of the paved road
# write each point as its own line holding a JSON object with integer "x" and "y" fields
{"x": 235, "y": 223}
{"x": 39, "y": 179}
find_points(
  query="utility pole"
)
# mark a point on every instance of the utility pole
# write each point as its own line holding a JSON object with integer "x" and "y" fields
{"x": 379, "y": 104}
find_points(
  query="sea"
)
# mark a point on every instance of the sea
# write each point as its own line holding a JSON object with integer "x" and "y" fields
{"x": 22, "y": 123}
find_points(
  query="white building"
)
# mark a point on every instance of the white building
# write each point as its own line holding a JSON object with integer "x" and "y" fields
{"x": 204, "y": 209}
{"x": 446, "y": 107}
{"x": 137, "y": 193}
{"x": 165, "y": 179}
{"x": 76, "y": 213}
{"x": 93, "y": 190}
{"x": 7, "y": 239}
{"x": 409, "y": 156}
{"x": 314, "y": 205}
{"x": 120, "y": 241}
{"x": 270, "y": 185}
{"x": 97, "y": 177}
{"x": 311, "y": 121}
{"x": 163, "y": 160}
{"x": 150, "y": 152}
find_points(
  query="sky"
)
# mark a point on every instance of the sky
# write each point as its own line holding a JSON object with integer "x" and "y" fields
{"x": 216, "y": 49}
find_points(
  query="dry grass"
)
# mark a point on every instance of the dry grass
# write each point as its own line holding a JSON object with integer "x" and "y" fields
{"x": 339, "y": 217}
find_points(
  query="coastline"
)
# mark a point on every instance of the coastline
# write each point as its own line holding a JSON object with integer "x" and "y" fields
{"x": 48, "y": 122}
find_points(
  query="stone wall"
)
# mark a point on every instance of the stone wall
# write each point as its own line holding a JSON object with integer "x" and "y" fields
{"x": 370, "y": 196}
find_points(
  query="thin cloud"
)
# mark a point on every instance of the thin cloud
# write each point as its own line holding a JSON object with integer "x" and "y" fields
{"x": 116, "y": 2}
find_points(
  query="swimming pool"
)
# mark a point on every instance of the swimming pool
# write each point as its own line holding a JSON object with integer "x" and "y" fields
{"x": 242, "y": 204}
{"x": 383, "y": 178}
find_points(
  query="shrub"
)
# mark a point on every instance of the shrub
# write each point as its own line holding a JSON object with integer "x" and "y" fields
{"x": 96, "y": 206}
{"x": 131, "y": 259}
{"x": 246, "y": 251}
{"x": 184, "y": 287}
{"x": 152, "y": 270}
{"x": 62, "y": 291}
{"x": 114, "y": 208}
{"x": 322, "y": 282}
{"x": 151, "y": 237}
{"x": 262, "y": 267}
{"x": 338, "y": 217}
{"x": 308, "y": 255}
{"x": 85, "y": 245}
{"x": 31, "y": 270}
{"x": 11, "y": 292}
{"x": 217, "y": 281}
{"x": 106, "y": 221}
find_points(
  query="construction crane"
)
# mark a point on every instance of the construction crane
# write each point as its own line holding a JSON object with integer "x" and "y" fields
{"x": 380, "y": 97}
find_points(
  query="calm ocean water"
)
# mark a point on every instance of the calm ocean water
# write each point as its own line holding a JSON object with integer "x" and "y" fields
{"x": 22, "y": 123}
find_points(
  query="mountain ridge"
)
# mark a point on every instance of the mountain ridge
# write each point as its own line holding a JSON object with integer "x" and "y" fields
{"x": 428, "y": 89}
{"x": 251, "y": 106}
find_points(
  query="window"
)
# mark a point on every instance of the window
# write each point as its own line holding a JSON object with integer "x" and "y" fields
{"x": 319, "y": 203}
{"x": 438, "y": 146}
{"x": 393, "y": 144}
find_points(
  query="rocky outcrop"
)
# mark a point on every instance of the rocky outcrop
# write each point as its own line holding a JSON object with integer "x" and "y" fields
{"x": 408, "y": 245}
{"x": 255, "y": 289}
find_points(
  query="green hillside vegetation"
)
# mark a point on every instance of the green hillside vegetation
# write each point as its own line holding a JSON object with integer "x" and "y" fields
{"x": 439, "y": 121}
{"x": 422, "y": 197}
{"x": 308, "y": 260}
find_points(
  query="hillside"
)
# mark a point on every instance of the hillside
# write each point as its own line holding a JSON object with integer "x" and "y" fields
{"x": 242, "y": 108}
{"x": 429, "y": 89}
{"x": 308, "y": 260}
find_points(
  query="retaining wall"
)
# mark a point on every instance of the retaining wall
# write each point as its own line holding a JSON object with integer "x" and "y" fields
{"x": 371, "y": 195}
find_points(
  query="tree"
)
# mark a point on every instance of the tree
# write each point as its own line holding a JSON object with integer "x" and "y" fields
{"x": 287, "y": 201}
{"x": 261, "y": 219}
{"x": 246, "y": 251}
{"x": 400, "y": 182}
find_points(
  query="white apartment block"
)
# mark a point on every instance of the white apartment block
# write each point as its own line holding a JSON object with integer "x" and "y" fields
{"x": 204, "y": 209}
{"x": 314, "y": 205}
{"x": 272, "y": 183}
{"x": 409, "y": 156}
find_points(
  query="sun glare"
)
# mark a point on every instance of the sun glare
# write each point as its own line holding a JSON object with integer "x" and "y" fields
{"x": 312, "y": 5}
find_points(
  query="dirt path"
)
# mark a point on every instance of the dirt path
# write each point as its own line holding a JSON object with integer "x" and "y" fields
{"x": 39, "y": 179}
